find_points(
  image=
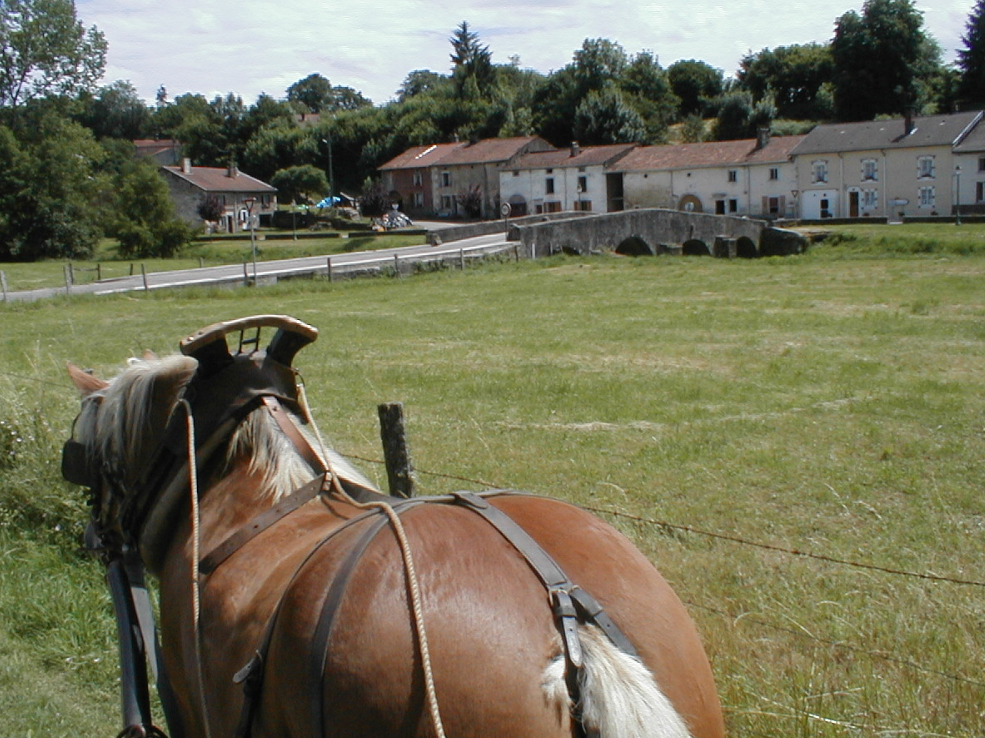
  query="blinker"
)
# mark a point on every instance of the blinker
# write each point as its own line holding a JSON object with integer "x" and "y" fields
{"x": 75, "y": 464}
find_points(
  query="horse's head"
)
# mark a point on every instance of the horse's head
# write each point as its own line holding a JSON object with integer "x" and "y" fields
{"x": 122, "y": 424}
{"x": 131, "y": 441}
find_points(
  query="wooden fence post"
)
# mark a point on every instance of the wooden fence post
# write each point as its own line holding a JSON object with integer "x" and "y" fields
{"x": 3, "y": 284}
{"x": 461, "y": 259}
{"x": 331, "y": 274}
{"x": 68, "y": 279}
{"x": 399, "y": 469}
{"x": 143, "y": 274}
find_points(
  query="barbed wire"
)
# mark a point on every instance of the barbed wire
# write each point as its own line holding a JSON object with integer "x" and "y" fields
{"x": 721, "y": 536}
{"x": 781, "y": 549}
{"x": 836, "y": 644}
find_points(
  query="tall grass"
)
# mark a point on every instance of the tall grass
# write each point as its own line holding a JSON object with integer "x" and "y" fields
{"x": 821, "y": 403}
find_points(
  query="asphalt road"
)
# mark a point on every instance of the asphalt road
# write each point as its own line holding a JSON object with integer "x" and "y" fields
{"x": 270, "y": 271}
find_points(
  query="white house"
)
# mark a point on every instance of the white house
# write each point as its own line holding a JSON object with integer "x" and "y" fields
{"x": 754, "y": 177}
{"x": 575, "y": 178}
{"x": 904, "y": 166}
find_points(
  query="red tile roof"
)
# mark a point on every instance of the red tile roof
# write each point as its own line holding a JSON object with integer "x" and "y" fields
{"x": 711, "y": 154}
{"x": 216, "y": 179}
{"x": 560, "y": 158}
{"x": 418, "y": 157}
{"x": 490, "y": 150}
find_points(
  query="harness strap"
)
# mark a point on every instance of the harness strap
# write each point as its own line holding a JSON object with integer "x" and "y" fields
{"x": 326, "y": 622}
{"x": 259, "y": 524}
{"x": 251, "y": 675}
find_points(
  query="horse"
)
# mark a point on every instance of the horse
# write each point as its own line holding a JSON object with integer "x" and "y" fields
{"x": 298, "y": 600}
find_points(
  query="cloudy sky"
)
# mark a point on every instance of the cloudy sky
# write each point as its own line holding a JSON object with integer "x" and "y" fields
{"x": 248, "y": 47}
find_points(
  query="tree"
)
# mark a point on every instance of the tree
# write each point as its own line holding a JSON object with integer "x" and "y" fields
{"x": 374, "y": 200}
{"x": 472, "y": 69}
{"x": 695, "y": 83}
{"x": 420, "y": 82}
{"x": 299, "y": 184}
{"x": 313, "y": 93}
{"x": 50, "y": 185}
{"x": 739, "y": 117}
{"x": 604, "y": 117}
{"x": 647, "y": 90}
{"x": 116, "y": 111}
{"x": 45, "y": 50}
{"x": 879, "y": 59}
{"x": 797, "y": 77}
{"x": 145, "y": 223}
{"x": 971, "y": 59}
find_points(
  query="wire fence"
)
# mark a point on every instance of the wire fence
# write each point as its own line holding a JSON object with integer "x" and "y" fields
{"x": 793, "y": 552}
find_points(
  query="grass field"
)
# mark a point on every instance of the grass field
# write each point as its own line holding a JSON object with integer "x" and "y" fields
{"x": 830, "y": 403}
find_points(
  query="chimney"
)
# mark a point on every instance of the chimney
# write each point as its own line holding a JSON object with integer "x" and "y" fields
{"x": 908, "y": 122}
{"x": 762, "y": 137}
{"x": 232, "y": 171}
{"x": 575, "y": 148}
{"x": 186, "y": 166}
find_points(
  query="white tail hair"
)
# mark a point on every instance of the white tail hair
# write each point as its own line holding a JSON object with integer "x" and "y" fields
{"x": 619, "y": 696}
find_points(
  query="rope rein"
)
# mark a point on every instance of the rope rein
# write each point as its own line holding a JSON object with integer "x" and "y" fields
{"x": 196, "y": 556}
{"x": 408, "y": 559}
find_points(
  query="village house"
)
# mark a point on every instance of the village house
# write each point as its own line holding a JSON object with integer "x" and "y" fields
{"x": 240, "y": 195}
{"x": 752, "y": 177}
{"x": 439, "y": 180}
{"x": 969, "y": 172}
{"x": 563, "y": 179}
{"x": 887, "y": 168}
{"x": 164, "y": 152}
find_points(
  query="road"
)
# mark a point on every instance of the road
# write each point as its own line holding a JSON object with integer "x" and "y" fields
{"x": 269, "y": 272}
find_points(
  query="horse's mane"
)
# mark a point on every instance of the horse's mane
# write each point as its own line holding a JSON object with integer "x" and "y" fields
{"x": 114, "y": 429}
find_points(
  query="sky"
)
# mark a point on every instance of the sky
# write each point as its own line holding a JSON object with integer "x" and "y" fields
{"x": 248, "y": 47}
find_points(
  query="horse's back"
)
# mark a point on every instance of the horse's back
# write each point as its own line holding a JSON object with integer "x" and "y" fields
{"x": 489, "y": 626}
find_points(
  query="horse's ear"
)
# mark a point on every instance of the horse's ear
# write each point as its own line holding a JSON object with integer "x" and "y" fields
{"x": 149, "y": 355}
{"x": 175, "y": 372}
{"x": 84, "y": 381}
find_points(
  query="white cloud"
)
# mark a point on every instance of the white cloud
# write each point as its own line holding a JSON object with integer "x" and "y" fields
{"x": 248, "y": 47}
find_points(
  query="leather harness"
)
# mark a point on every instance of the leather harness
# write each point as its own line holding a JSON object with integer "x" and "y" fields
{"x": 570, "y": 603}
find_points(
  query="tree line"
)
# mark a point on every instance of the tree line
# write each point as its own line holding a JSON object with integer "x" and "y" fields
{"x": 72, "y": 178}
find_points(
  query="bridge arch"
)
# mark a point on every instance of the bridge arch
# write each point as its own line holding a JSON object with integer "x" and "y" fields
{"x": 695, "y": 247}
{"x": 634, "y": 246}
{"x": 745, "y": 248}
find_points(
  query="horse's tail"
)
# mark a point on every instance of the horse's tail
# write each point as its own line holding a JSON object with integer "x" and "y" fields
{"x": 619, "y": 698}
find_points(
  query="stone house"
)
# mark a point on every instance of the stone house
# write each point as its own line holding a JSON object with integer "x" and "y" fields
{"x": 435, "y": 180}
{"x": 752, "y": 177}
{"x": 888, "y": 168}
{"x": 240, "y": 194}
{"x": 563, "y": 179}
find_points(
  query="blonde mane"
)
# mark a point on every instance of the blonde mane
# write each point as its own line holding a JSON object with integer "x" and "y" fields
{"x": 113, "y": 424}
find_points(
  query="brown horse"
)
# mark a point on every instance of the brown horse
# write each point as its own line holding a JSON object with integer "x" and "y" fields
{"x": 359, "y": 614}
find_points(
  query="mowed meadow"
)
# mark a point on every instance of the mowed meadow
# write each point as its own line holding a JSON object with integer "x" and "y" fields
{"x": 797, "y": 444}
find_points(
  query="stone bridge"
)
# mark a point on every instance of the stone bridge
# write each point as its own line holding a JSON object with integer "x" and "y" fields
{"x": 655, "y": 231}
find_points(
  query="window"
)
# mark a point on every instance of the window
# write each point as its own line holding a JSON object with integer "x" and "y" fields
{"x": 773, "y": 206}
{"x": 869, "y": 171}
{"x": 583, "y": 184}
{"x": 774, "y": 173}
{"x": 585, "y": 205}
{"x": 819, "y": 171}
{"x": 925, "y": 167}
{"x": 979, "y": 191}
{"x": 447, "y": 202}
{"x": 981, "y": 163}
{"x": 733, "y": 175}
{"x": 870, "y": 199}
{"x": 418, "y": 179}
{"x": 549, "y": 185}
{"x": 418, "y": 199}
{"x": 516, "y": 172}
{"x": 446, "y": 179}
{"x": 552, "y": 207}
{"x": 926, "y": 197}
{"x": 733, "y": 205}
